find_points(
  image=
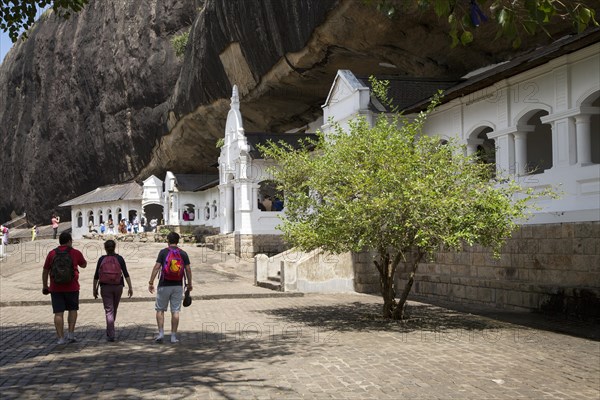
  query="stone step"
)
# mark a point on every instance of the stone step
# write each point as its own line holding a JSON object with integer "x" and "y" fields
{"x": 269, "y": 285}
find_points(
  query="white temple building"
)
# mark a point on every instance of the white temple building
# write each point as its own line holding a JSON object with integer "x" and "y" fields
{"x": 537, "y": 118}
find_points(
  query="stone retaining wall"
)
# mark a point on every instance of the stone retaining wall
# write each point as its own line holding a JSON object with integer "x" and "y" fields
{"x": 247, "y": 246}
{"x": 554, "y": 265}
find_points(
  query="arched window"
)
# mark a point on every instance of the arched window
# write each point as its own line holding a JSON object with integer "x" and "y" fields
{"x": 207, "y": 211}
{"x": 101, "y": 217}
{"x": 214, "y": 209}
{"x": 119, "y": 214}
{"x": 91, "y": 217}
{"x": 189, "y": 212}
{"x": 131, "y": 215}
{"x": 539, "y": 144}
{"x": 483, "y": 148}
{"x": 79, "y": 217}
{"x": 268, "y": 195}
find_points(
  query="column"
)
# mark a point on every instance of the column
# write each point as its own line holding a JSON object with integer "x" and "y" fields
{"x": 505, "y": 154}
{"x": 229, "y": 209}
{"x": 472, "y": 146}
{"x": 583, "y": 129}
{"x": 520, "y": 153}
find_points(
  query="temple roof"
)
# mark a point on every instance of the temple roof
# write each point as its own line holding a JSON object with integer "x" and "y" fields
{"x": 261, "y": 138}
{"x": 195, "y": 182}
{"x": 122, "y": 191}
{"x": 407, "y": 91}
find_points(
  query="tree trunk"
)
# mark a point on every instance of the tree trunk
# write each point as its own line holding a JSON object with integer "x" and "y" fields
{"x": 386, "y": 281}
{"x": 399, "y": 310}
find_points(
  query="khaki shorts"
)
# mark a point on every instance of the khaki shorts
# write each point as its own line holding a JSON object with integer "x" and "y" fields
{"x": 169, "y": 295}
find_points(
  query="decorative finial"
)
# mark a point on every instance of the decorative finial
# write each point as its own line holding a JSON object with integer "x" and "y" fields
{"x": 235, "y": 98}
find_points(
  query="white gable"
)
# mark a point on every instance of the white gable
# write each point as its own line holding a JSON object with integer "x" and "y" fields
{"x": 347, "y": 96}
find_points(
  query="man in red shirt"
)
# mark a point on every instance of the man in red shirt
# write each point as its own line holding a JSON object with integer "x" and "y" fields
{"x": 65, "y": 296}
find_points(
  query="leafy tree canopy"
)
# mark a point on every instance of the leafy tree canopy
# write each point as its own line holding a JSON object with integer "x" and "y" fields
{"x": 19, "y": 15}
{"x": 393, "y": 190}
{"x": 513, "y": 18}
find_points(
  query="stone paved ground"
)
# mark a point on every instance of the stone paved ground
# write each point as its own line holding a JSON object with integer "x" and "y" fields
{"x": 264, "y": 345}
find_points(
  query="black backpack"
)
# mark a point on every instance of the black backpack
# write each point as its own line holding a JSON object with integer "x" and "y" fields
{"x": 62, "y": 270}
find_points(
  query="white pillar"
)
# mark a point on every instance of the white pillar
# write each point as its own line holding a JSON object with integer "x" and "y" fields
{"x": 520, "y": 152}
{"x": 505, "y": 154}
{"x": 584, "y": 148}
{"x": 472, "y": 146}
{"x": 229, "y": 209}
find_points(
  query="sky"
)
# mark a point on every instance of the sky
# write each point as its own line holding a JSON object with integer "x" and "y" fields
{"x": 6, "y": 43}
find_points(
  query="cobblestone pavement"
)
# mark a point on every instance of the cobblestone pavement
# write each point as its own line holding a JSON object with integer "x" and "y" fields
{"x": 264, "y": 345}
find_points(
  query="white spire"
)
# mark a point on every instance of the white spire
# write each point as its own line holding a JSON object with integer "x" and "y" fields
{"x": 235, "y": 98}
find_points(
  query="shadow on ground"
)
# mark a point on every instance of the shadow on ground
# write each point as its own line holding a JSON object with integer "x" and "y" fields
{"x": 221, "y": 364}
{"x": 558, "y": 323}
{"x": 359, "y": 316}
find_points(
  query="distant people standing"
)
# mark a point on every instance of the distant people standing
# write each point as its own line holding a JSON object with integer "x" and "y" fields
{"x": 55, "y": 222}
{"x": 122, "y": 226}
{"x": 173, "y": 264}
{"x": 277, "y": 204}
{"x": 61, "y": 266}
{"x": 34, "y": 232}
{"x": 267, "y": 203}
{"x": 153, "y": 224}
{"x": 109, "y": 274}
{"x": 4, "y": 235}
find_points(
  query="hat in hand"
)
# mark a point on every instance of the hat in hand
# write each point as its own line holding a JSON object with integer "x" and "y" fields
{"x": 187, "y": 300}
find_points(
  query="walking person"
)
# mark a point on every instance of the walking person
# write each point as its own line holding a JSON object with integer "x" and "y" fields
{"x": 62, "y": 266}
{"x": 111, "y": 272}
{"x": 55, "y": 222}
{"x": 173, "y": 264}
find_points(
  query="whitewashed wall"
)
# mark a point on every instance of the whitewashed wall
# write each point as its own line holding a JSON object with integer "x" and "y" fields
{"x": 559, "y": 88}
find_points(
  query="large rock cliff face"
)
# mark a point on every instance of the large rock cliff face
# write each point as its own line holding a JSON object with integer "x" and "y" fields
{"x": 82, "y": 100}
{"x": 101, "y": 98}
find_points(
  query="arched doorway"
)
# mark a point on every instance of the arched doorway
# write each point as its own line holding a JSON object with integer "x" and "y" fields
{"x": 154, "y": 216}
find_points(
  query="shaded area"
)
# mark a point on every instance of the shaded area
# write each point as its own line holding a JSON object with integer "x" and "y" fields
{"x": 563, "y": 323}
{"x": 360, "y": 316}
{"x": 224, "y": 363}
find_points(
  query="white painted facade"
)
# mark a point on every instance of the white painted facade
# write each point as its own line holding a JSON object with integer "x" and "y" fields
{"x": 239, "y": 181}
{"x": 100, "y": 212}
{"x": 546, "y": 118}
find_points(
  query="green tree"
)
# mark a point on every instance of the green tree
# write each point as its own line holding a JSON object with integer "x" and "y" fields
{"x": 390, "y": 189}
{"x": 19, "y": 15}
{"x": 512, "y": 18}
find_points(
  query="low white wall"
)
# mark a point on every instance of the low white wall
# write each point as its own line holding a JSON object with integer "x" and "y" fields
{"x": 313, "y": 272}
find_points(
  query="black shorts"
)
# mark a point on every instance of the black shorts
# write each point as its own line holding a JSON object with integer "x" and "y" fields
{"x": 62, "y": 301}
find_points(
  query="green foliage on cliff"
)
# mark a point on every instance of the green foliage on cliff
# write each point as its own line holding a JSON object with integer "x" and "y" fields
{"x": 513, "y": 19}
{"x": 17, "y": 16}
{"x": 180, "y": 42}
